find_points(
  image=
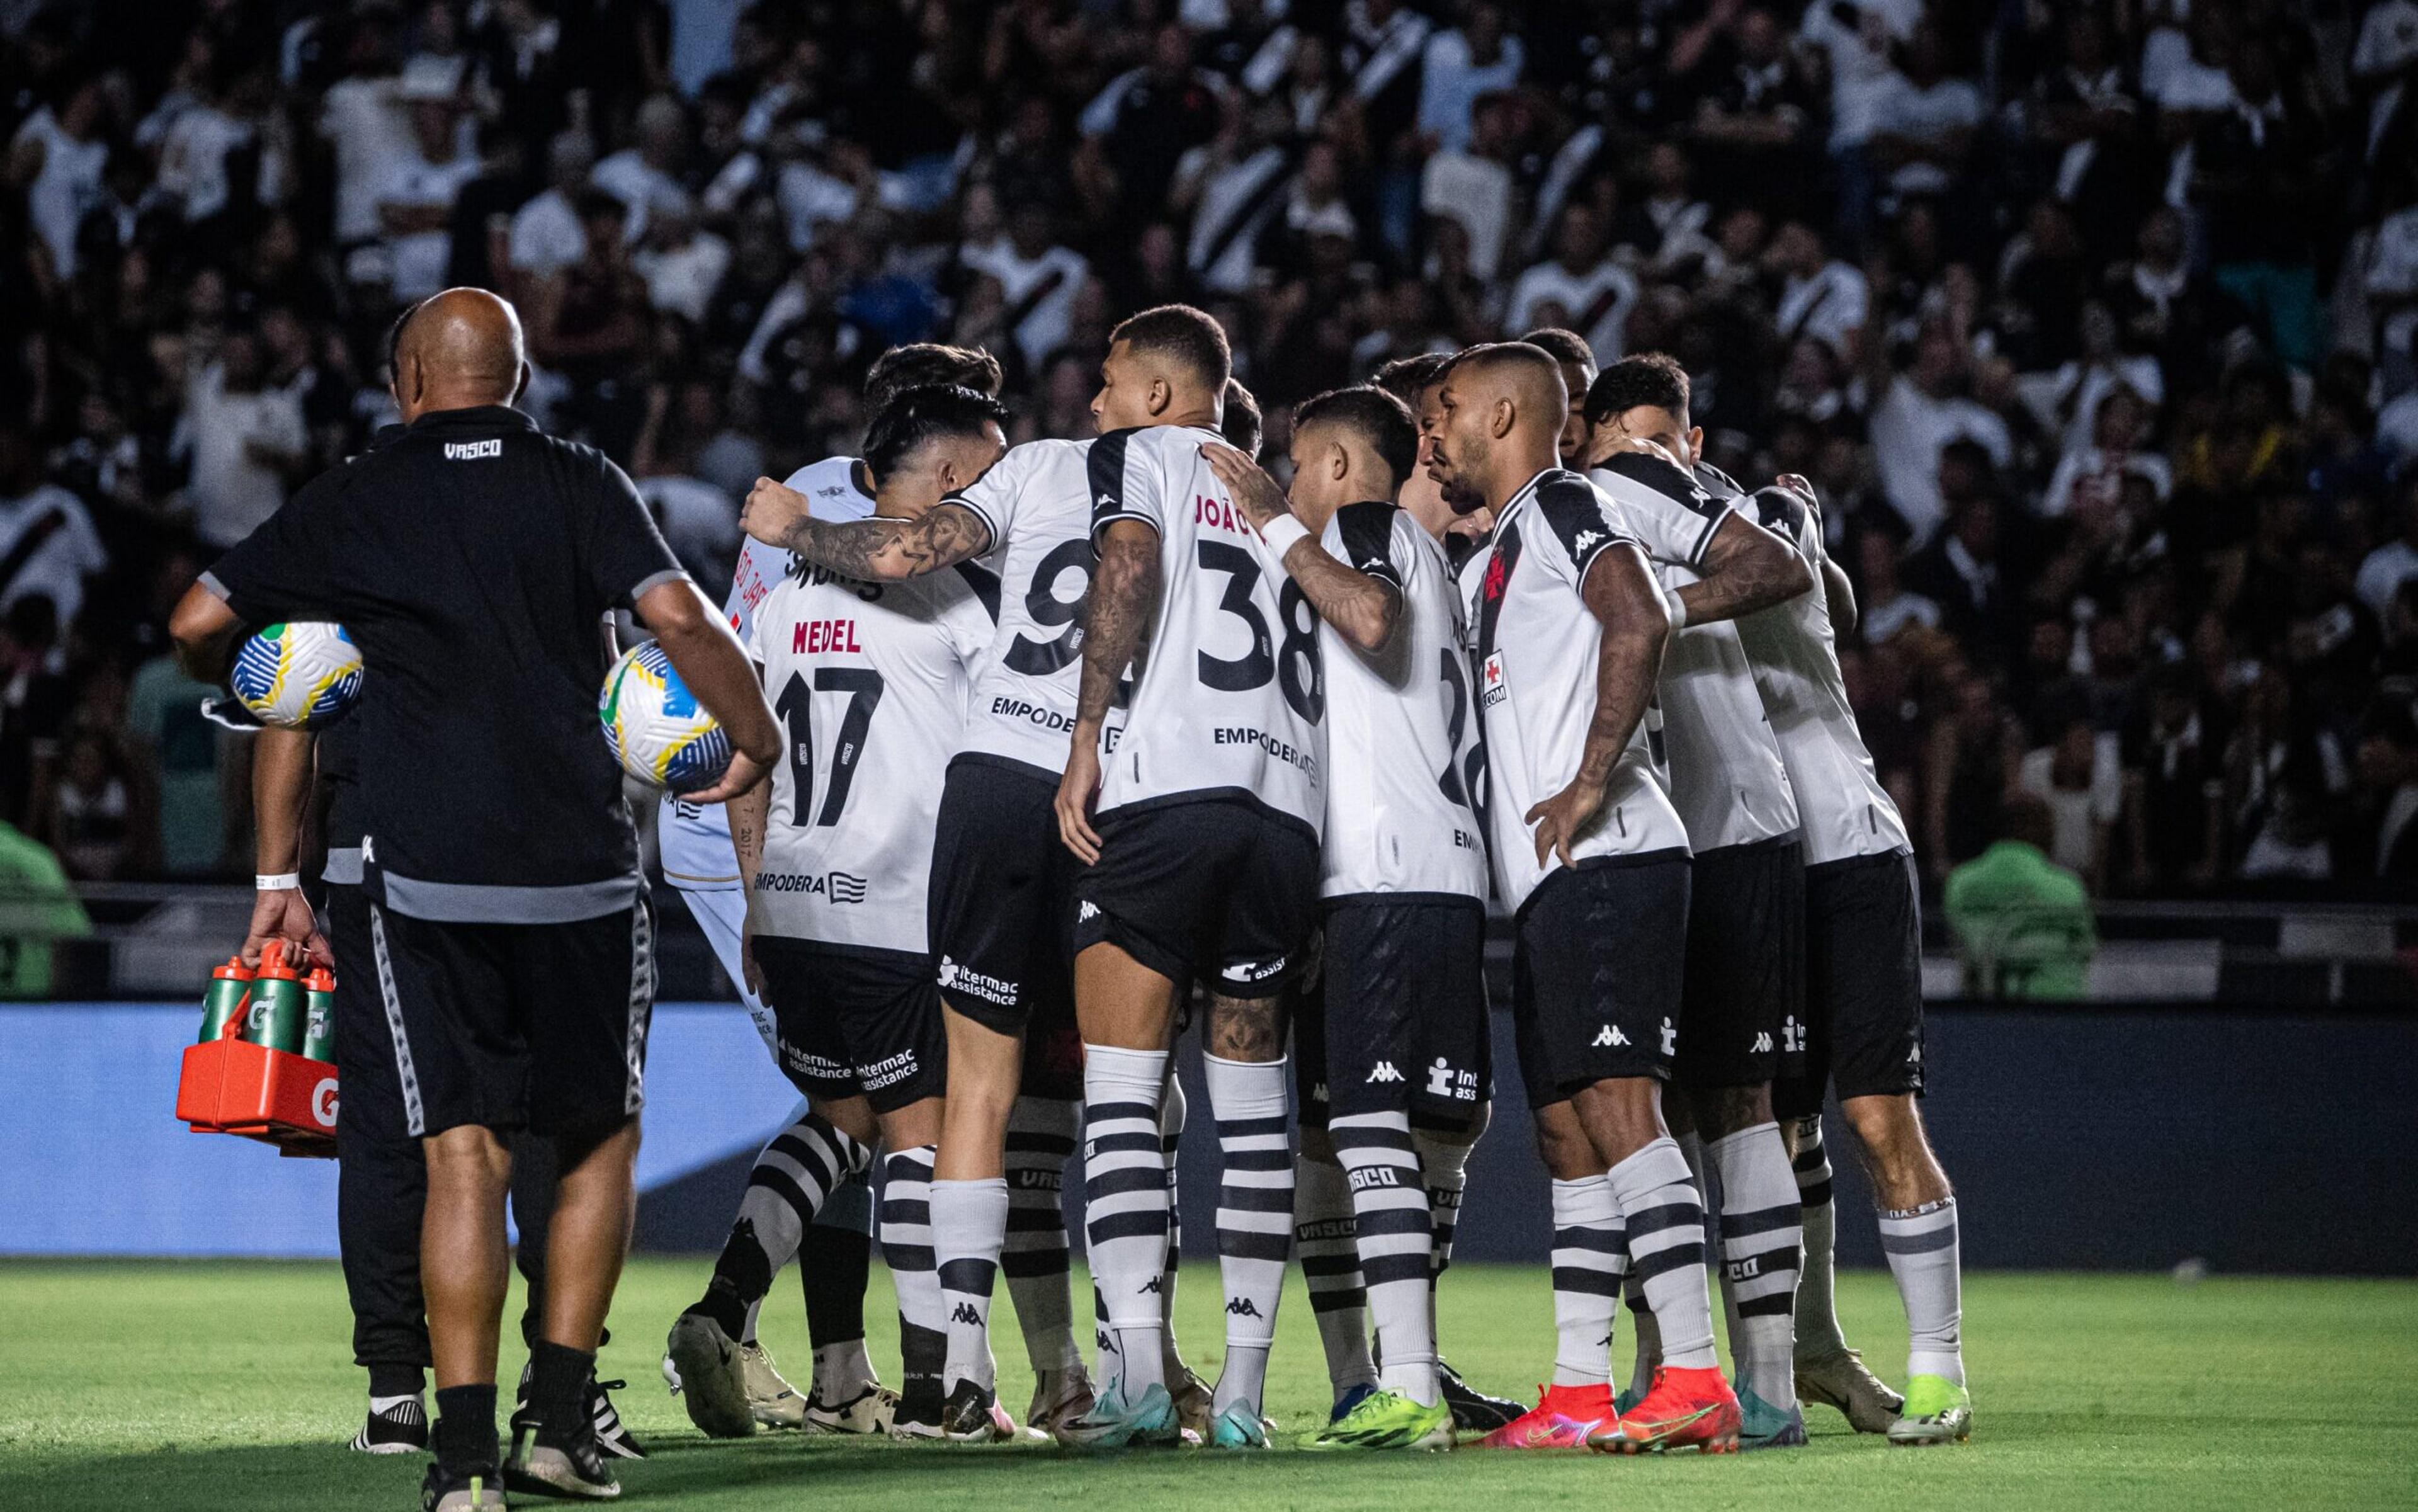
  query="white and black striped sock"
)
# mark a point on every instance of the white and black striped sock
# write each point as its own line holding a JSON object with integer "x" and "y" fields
{"x": 793, "y": 1178}
{"x": 1249, "y": 1099}
{"x": 1040, "y": 1135}
{"x": 1665, "y": 1214}
{"x": 1390, "y": 1206}
{"x": 1818, "y": 1335}
{"x": 1922, "y": 1247}
{"x": 1325, "y": 1236}
{"x": 1125, "y": 1209}
{"x": 969, "y": 1226}
{"x": 1589, "y": 1252}
{"x": 1761, "y": 1240}
{"x": 1444, "y": 1147}
{"x": 915, "y": 1272}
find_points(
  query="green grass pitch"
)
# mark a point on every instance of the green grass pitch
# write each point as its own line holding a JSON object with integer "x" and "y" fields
{"x": 228, "y": 1385}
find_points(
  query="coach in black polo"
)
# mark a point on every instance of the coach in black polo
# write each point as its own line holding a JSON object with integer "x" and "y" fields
{"x": 472, "y": 558}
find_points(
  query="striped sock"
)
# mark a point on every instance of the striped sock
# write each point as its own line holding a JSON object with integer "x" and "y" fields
{"x": 1818, "y": 1335}
{"x": 1761, "y": 1239}
{"x": 1125, "y": 1209}
{"x": 1254, "y": 1214}
{"x": 907, "y": 1249}
{"x": 1040, "y": 1137}
{"x": 969, "y": 1226}
{"x": 791, "y": 1179}
{"x": 1172, "y": 1113}
{"x": 1326, "y": 1238}
{"x": 1589, "y": 1252}
{"x": 1922, "y": 1247}
{"x": 1444, "y": 1147}
{"x": 1665, "y": 1214}
{"x": 1389, "y": 1207}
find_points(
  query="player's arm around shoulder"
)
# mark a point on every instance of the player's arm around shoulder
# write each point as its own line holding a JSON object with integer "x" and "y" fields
{"x": 1362, "y": 603}
{"x": 1124, "y": 600}
{"x": 877, "y": 549}
{"x": 1616, "y": 583}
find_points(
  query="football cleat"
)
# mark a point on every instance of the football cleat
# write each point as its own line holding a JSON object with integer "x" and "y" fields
{"x": 973, "y": 1414}
{"x": 1389, "y": 1420}
{"x": 1352, "y": 1397}
{"x": 1058, "y": 1397}
{"x": 1473, "y": 1410}
{"x": 1562, "y": 1419}
{"x": 570, "y": 1465}
{"x": 613, "y": 1436}
{"x": 872, "y": 1410}
{"x": 1114, "y": 1423}
{"x": 402, "y": 1428}
{"x": 1938, "y": 1411}
{"x": 1195, "y": 1403}
{"x": 1843, "y": 1382}
{"x": 919, "y": 1413}
{"x": 1239, "y": 1427}
{"x": 1682, "y": 1408}
{"x": 1762, "y": 1425}
{"x": 478, "y": 1491}
{"x": 714, "y": 1387}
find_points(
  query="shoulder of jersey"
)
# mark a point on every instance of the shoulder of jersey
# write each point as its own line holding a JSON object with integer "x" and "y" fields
{"x": 1662, "y": 477}
{"x": 830, "y": 476}
{"x": 1718, "y": 481}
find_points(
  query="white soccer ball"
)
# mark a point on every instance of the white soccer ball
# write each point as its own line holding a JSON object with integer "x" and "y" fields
{"x": 298, "y": 676}
{"x": 657, "y": 729}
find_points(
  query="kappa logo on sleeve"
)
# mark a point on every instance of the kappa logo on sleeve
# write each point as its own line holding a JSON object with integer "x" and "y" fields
{"x": 473, "y": 450}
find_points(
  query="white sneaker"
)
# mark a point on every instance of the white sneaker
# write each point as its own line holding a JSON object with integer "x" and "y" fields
{"x": 713, "y": 1386}
{"x": 773, "y": 1403}
{"x": 872, "y": 1410}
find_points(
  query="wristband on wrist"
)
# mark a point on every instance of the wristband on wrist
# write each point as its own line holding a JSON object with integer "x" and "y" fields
{"x": 279, "y": 882}
{"x": 1678, "y": 612}
{"x": 1282, "y": 533}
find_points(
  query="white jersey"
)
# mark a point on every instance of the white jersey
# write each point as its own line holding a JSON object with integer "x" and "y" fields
{"x": 694, "y": 838}
{"x": 869, "y": 681}
{"x": 1538, "y": 646}
{"x": 1727, "y": 778}
{"x": 1036, "y": 502}
{"x": 1229, "y": 700}
{"x": 1846, "y": 810}
{"x": 1401, "y": 741}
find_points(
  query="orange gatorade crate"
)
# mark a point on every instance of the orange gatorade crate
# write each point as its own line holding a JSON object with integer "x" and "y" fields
{"x": 229, "y": 1085}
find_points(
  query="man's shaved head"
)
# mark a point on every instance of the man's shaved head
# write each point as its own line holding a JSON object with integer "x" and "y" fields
{"x": 1504, "y": 405}
{"x": 457, "y": 350}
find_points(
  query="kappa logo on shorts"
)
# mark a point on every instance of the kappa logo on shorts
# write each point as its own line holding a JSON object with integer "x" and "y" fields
{"x": 1762, "y": 1045}
{"x": 955, "y": 978}
{"x": 1385, "y": 1072}
{"x": 1086, "y": 912}
{"x": 1608, "y": 1037}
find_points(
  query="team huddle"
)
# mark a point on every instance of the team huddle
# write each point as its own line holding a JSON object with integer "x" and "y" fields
{"x": 1087, "y": 741}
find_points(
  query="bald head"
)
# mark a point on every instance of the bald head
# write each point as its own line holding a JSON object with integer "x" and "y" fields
{"x": 457, "y": 350}
{"x": 1502, "y": 408}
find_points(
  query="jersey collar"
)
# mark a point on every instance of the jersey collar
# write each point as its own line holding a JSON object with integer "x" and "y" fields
{"x": 478, "y": 417}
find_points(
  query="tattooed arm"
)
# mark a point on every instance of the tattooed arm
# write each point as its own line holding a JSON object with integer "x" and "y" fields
{"x": 1124, "y": 602}
{"x": 876, "y": 550}
{"x": 1364, "y": 610}
{"x": 1621, "y": 593}
{"x": 1746, "y": 568}
{"x": 747, "y": 813}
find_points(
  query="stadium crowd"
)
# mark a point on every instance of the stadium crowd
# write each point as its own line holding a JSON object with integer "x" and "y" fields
{"x": 2092, "y": 324}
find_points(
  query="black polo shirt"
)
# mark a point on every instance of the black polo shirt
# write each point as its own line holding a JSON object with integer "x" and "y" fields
{"x": 471, "y": 557}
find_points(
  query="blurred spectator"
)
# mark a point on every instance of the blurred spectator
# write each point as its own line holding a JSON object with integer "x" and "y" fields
{"x": 2080, "y": 777}
{"x": 45, "y": 911}
{"x": 2388, "y": 772}
{"x": 243, "y": 435}
{"x": 48, "y": 547}
{"x": 88, "y": 817}
{"x": 2023, "y": 923}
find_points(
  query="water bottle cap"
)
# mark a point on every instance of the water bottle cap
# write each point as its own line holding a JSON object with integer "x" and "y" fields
{"x": 320, "y": 979}
{"x": 234, "y": 970}
{"x": 273, "y": 963}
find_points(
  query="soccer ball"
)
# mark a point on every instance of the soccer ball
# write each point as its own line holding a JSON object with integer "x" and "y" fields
{"x": 298, "y": 676}
{"x": 657, "y": 729}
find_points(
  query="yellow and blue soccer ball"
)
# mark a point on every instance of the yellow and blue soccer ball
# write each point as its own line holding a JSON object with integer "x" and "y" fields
{"x": 298, "y": 676}
{"x": 657, "y": 729}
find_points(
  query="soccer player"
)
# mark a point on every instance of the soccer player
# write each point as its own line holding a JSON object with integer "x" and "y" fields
{"x": 1577, "y": 360}
{"x": 472, "y": 559}
{"x": 795, "y": 1175}
{"x": 1742, "y": 1003}
{"x": 1404, "y": 891}
{"x": 1204, "y": 860}
{"x": 1593, "y": 860}
{"x": 1863, "y": 996}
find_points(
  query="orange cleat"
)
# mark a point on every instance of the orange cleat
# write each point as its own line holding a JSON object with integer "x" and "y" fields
{"x": 1565, "y": 1417}
{"x": 1684, "y": 1407}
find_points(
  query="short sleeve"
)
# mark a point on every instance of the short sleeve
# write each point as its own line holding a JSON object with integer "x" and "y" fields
{"x": 626, "y": 553}
{"x": 1126, "y": 479}
{"x": 286, "y": 569}
{"x": 1582, "y": 521}
{"x": 992, "y": 498}
{"x": 1673, "y": 515}
{"x": 1361, "y": 536}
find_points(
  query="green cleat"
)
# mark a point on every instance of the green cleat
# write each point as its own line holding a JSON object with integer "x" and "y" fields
{"x": 1938, "y": 1411}
{"x": 1389, "y": 1420}
{"x": 1239, "y": 1427}
{"x": 1762, "y": 1425}
{"x": 1113, "y": 1422}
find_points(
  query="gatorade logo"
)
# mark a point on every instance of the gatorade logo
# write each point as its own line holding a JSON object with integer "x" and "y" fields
{"x": 323, "y": 1101}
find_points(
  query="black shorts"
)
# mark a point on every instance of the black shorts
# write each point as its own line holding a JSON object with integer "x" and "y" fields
{"x": 508, "y": 1026}
{"x": 1000, "y": 911}
{"x": 1214, "y": 890}
{"x": 1863, "y": 983}
{"x": 855, "y": 1020}
{"x": 369, "y": 1102}
{"x": 1405, "y": 1004}
{"x": 1595, "y": 967}
{"x": 1306, "y": 1011}
{"x": 1742, "y": 1008}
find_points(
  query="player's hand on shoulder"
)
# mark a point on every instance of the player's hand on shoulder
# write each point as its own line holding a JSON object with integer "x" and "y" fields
{"x": 741, "y": 776}
{"x": 772, "y": 511}
{"x": 1076, "y": 791}
{"x": 1257, "y": 495}
{"x": 1560, "y": 818}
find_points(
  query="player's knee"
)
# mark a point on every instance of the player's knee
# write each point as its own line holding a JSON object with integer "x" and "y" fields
{"x": 1888, "y": 1128}
{"x": 468, "y": 1156}
{"x": 1247, "y": 1029}
{"x": 1725, "y": 1110}
{"x": 1564, "y": 1147}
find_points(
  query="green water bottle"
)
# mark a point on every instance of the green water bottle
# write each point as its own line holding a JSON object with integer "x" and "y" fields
{"x": 319, "y": 1034}
{"x": 229, "y": 996}
{"x": 281, "y": 1010}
